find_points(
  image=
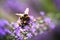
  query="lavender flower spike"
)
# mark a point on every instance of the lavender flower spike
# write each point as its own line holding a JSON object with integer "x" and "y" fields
{"x": 27, "y": 26}
{"x": 3, "y": 24}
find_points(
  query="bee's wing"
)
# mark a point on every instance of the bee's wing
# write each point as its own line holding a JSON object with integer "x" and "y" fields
{"x": 26, "y": 11}
{"x": 19, "y": 14}
{"x": 18, "y": 21}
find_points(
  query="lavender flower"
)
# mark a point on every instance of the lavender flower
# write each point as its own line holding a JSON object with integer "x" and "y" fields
{"x": 27, "y": 28}
{"x": 47, "y": 20}
{"x": 4, "y": 30}
{"x": 29, "y": 35}
{"x": 3, "y": 22}
{"x": 52, "y": 25}
{"x": 15, "y": 25}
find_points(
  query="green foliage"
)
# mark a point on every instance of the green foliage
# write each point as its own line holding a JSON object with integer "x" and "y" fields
{"x": 48, "y": 5}
{"x": 58, "y": 16}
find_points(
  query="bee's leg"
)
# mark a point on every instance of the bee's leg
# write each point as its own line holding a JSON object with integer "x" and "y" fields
{"x": 22, "y": 26}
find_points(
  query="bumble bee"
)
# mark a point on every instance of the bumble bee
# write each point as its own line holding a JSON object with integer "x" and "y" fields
{"x": 25, "y": 19}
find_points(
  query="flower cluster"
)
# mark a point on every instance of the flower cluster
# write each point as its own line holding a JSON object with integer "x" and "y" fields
{"x": 27, "y": 26}
{"x": 3, "y": 27}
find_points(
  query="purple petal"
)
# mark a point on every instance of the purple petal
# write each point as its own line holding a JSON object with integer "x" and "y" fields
{"x": 2, "y": 32}
{"x": 42, "y": 13}
{"x": 47, "y": 20}
{"x": 7, "y": 31}
{"x": 29, "y": 35}
{"x": 33, "y": 30}
{"x": 15, "y": 25}
{"x": 3, "y": 22}
{"x": 52, "y": 25}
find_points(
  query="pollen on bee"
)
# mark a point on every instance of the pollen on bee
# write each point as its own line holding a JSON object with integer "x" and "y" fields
{"x": 24, "y": 21}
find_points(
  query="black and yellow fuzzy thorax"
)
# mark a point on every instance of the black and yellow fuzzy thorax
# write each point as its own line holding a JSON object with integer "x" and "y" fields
{"x": 25, "y": 19}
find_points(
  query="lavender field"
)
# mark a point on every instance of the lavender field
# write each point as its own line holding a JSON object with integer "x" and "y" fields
{"x": 29, "y": 19}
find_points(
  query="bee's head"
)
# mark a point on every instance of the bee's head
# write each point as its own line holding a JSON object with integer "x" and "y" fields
{"x": 25, "y": 15}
